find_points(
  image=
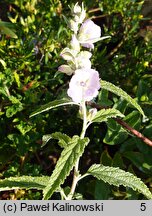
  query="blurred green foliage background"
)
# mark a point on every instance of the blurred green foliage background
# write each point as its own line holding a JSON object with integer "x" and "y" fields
{"x": 32, "y": 35}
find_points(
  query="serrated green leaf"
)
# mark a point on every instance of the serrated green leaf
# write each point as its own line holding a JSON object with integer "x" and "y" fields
{"x": 63, "y": 139}
{"x": 104, "y": 114}
{"x": 118, "y": 91}
{"x": 53, "y": 104}
{"x": 24, "y": 182}
{"x": 117, "y": 177}
{"x": 66, "y": 162}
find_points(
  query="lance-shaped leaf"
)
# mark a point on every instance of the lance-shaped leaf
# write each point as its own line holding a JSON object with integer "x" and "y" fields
{"x": 53, "y": 104}
{"x": 118, "y": 91}
{"x": 6, "y": 28}
{"x": 66, "y": 162}
{"x": 63, "y": 139}
{"x": 116, "y": 176}
{"x": 104, "y": 114}
{"x": 24, "y": 182}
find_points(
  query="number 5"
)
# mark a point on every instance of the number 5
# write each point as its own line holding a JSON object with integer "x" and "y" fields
{"x": 143, "y": 206}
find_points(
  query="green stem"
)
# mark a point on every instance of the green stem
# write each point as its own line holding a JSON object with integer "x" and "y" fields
{"x": 76, "y": 175}
{"x": 84, "y": 128}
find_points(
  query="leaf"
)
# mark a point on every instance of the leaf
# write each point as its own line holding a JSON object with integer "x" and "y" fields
{"x": 6, "y": 28}
{"x": 5, "y": 155}
{"x": 118, "y": 161}
{"x": 118, "y": 91}
{"x": 117, "y": 177}
{"x": 66, "y": 162}
{"x": 63, "y": 139}
{"x": 17, "y": 79}
{"x": 140, "y": 160}
{"x": 45, "y": 139}
{"x": 115, "y": 133}
{"x": 3, "y": 63}
{"x": 103, "y": 98}
{"x": 53, "y": 104}
{"x": 6, "y": 24}
{"x": 12, "y": 110}
{"x": 102, "y": 190}
{"x": 133, "y": 119}
{"x": 24, "y": 182}
{"x": 104, "y": 114}
{"x": 8, "y": 32}
{"x": 105, "y": 158}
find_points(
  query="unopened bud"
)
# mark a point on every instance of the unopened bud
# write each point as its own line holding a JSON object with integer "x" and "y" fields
{"x": 77, "y": 8}
{"x": 73, "y": 26}
{"x": 92, "y": 112}
{"x": 67, "y": 54}
{"x": 66, "y": 69}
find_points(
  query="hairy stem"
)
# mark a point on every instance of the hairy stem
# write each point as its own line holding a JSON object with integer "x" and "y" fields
{"x": 75, "y": 181}
{"x": 76, "y": 176}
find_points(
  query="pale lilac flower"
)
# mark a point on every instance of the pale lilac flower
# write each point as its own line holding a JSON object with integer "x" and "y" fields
{"x": 89, "y": 33}
{"x": 84, "y": 85}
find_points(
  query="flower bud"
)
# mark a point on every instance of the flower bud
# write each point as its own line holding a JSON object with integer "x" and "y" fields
{"x": 77, "y": 8}
{"x": 92, "y": 112}
{"x": 66, "y": 69}
{"x": 68, "y": 54}
{"x": 73, "y": 26}
{"x": 79, "y": 13}
{"x": 83, "y": 14}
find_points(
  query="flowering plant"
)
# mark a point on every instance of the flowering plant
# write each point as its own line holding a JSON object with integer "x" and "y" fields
{"x": 84, "y": 86}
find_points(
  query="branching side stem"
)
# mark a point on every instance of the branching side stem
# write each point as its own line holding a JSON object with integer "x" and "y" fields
{"x": 125, "y": 125}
